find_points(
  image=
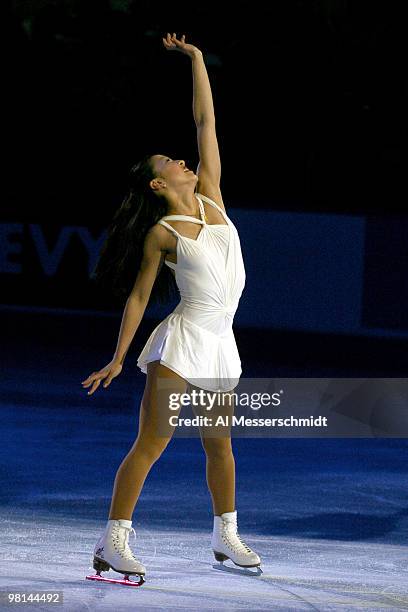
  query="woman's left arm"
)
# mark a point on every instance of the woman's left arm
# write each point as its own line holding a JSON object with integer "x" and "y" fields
{"x": 209, "y": 168}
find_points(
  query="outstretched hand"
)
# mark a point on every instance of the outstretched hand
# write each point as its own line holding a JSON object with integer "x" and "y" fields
{"x": 110, "y": 371}
{"x": 172, "y": 43}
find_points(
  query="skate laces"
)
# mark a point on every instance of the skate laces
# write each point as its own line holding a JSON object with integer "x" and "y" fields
{"x": 232, "y": 538}
{"x": 120, "y": 537}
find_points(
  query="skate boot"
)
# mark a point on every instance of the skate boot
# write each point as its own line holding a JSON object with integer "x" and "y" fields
{"x": 112, "y": 550}
{"x": 227, "y": 544}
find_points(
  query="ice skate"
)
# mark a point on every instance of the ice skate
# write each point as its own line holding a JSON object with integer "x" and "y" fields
{"x": 112, "y": 551}
{"x": 227, "y": 544}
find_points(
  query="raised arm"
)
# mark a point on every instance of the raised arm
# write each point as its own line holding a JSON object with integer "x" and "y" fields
{"x": 209, "y": 167}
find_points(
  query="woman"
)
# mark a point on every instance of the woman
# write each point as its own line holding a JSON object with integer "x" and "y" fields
{"x": 194, "y": 346}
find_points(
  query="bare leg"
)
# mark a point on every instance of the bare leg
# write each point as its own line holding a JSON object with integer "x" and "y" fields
{"x": 148, "y": 447}
{"x": 220, "y": 472}
{"x": 220, "y": 462}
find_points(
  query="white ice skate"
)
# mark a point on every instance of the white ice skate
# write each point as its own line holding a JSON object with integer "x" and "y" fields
{"x": 227, "y": 544}
{"x": 112, "y": 551}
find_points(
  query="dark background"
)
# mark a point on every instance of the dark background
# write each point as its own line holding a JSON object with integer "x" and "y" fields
{"x": 310, "y": 102}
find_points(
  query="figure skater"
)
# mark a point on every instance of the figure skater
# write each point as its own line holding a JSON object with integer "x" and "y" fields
{"x": 194, "y": 346}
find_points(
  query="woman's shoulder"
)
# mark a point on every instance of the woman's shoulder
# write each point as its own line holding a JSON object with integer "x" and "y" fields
{"x": 157, "y": 236}
{"x": 212, "y": 192}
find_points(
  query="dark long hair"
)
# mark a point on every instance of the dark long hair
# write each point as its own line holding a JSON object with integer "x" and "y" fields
{"x": 122, "y": 252}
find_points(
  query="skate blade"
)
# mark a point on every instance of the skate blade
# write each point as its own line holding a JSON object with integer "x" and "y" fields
{"x": 239, "y": 569}
{"x": 125, "y": 581}
{"x": 221, "y": 557}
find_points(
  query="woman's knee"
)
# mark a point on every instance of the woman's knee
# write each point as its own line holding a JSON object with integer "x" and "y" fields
{"x": 217, "y": 448}
{"x": 150, "y": 447}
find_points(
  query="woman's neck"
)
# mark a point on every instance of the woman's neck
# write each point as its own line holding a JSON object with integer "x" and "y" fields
{"x": 187, "y": 205}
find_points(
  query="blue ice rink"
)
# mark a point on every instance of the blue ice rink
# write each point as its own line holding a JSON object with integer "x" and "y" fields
{"x": 329, "y": 517}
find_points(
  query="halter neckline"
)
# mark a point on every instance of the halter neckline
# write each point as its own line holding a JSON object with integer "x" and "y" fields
{"x": 194, "y": 219}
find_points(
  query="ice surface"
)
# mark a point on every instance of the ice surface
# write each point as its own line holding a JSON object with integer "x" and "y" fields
{"x": 328, "y": 517}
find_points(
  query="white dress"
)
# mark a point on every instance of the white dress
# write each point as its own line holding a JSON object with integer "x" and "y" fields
{"x": 196, "y": 339}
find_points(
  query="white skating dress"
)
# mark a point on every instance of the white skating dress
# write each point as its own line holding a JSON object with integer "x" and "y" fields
{"x": 196, "y": 339}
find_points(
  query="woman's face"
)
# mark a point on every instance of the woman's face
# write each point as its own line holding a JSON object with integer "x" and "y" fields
{"x": 173, "y": 171}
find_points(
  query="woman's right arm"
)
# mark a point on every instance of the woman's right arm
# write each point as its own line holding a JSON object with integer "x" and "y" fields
{"x": 153, "y": 256}
{"x": 153, "y": 253}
